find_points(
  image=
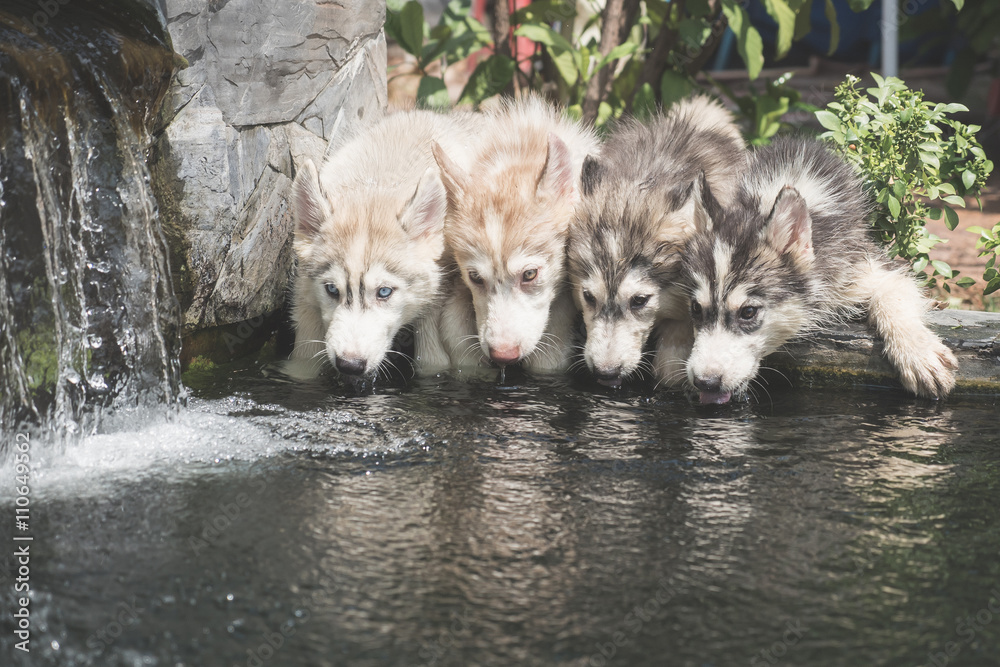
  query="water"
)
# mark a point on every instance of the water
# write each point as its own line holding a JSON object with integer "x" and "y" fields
{"x": 542, "y": 523}
{"x": 87, "y": 313}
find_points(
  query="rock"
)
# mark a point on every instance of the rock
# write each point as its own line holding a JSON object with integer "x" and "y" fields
{"x": 849, "y": 354}
{"x": 267, "y": 85}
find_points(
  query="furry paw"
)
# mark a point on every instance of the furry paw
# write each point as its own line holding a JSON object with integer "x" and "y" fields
{"x": 931, "y": 373}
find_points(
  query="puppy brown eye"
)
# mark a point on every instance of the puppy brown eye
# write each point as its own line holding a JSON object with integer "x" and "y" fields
{"x": 748, "y": 312}
{"x": 589, "y": 298}
{"x": 529, "y": 275}
{"x": 695, "y": 309}
{"x": 475, "y": 278}
{"x": 639, "y": 301}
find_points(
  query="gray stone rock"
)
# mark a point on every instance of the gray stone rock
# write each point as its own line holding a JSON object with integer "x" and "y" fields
{"x": 849, "y": 354}
{"x": 266, "y": 86}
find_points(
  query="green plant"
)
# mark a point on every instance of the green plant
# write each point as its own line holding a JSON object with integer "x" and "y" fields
{"x": 630, "y": 55}
{"x": 989, "y": 247}
{"x": 457, "y": 36}
{"x": 918, "y": 162}
{"x": 764, "y": 111}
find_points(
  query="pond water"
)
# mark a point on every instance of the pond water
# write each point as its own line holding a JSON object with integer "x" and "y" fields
{"x": 461, "y": 522}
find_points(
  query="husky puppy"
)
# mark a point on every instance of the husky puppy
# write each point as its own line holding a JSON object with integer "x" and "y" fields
{"x": 792, "y": 255}
{"x": 638, "y": 209}
{"x": 506, "y": 226}
{"x": 368, "y": 235}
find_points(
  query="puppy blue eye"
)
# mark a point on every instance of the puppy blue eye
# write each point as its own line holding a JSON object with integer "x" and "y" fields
{"x": 384, "y": 292}
{"x": 332, "y": 290}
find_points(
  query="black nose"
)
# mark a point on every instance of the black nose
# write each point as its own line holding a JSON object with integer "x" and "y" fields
{"x": 610, "y": 376}
{"x": 712, "y": 383}
{"x": 351, "y": 366}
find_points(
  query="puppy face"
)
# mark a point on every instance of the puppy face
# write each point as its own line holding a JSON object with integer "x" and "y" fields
{"x": 507, "y": 226}
{"x": 369, "y": 260}
{"x": 745, "y": 286}
{"x": 624, "y": 259}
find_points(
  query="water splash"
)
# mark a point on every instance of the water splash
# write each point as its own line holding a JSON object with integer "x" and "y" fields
{"x": 88, "y": 318}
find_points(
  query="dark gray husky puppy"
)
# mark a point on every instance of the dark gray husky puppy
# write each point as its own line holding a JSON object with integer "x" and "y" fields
{"x": 639, "y": 207}
{"x": 793, "y": 255}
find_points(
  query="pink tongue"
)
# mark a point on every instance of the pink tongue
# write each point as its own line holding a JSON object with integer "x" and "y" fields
{"x": 718, "y": 397}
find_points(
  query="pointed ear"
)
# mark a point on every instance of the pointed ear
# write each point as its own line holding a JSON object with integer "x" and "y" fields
{"x": 423, "y": 216}
{"x": 699, "y": 206}
{"x": 591, "y": 175}
{"x": 789, "y": 227}
{"x": 556, "y": 178}
{"x": 452, "y": 176}
{"x": 310, "y": 207}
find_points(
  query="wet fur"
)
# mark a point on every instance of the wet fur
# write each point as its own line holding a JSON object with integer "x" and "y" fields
{"x": 509, "y": 213}
{"x": 796, "y": 245}
{"x": 372, "y": 217}
{"x": 639, "y": 206}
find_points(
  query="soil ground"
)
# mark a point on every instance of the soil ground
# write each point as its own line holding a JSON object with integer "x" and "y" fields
{"x": 817, "y": 84}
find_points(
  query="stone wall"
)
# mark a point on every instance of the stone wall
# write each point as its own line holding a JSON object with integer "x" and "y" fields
{"x": 264, "y": 86}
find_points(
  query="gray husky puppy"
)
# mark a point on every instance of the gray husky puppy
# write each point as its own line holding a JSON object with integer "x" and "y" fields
{"x": 793, "y": 255}
{"x": 639, "y": 207}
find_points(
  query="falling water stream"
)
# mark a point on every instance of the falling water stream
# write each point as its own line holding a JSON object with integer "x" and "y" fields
{"x": 87, "y": 314}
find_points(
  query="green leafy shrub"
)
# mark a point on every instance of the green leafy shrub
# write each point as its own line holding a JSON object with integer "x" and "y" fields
{"x": 918, "y": 162}
{"x": 989, "y": 247}
{"x": 763, "y": 112}
{"x": 632, "y": 56}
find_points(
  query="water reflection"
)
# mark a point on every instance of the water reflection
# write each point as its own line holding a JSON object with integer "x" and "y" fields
{"x": 539, "y": 524}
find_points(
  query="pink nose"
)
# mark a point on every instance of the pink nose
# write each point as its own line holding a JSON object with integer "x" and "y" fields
{"x": 505, "y": 355}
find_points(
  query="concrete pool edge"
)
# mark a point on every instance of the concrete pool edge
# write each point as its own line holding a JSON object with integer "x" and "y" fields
{"x": 848, "y": 354}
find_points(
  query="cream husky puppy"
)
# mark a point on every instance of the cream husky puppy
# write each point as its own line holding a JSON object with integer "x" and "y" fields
{"x": 506, "y": 226}
{"x": 369, "y": 237}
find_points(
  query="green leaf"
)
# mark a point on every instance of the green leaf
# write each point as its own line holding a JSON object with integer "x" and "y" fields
{"x": 893, "y": 205}
{"x": 644, "y": 102}
{"x": 543, "y": 11}
{"x": 748, "y": 40}
{"x": 561, "y": 50}
{"x": 967, "y": 281}
{"x": 955, "y": 200}
{"x": 673, "y": 88}
{"x": 544, "y": 35}
{"x": 920, "y": 265}
{"x": 433, "y": 93}
{"x": 958, "y": 4}
{"x": 411, "y": 28}
{"x": 992, "y": 286}
{"x": 490, "y": 78}
{"x": 803, "y": 24}
{"x": 829, "y": 120}
{"x": 785, "y": 18}
{"x": 620, "y": 51}
{"x": 604, "y": 114}
{"x": 951, "y": 218}
{"x": 968, "y": 179}
{"x": 831, "y": 16}
{"x": 941, "y": 268}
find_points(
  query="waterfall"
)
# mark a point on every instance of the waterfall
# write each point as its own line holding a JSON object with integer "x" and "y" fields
{"x": 88, "y": 317}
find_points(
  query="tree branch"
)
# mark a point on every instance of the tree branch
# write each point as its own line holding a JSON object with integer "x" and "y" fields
{"x": 616, "y": 21}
